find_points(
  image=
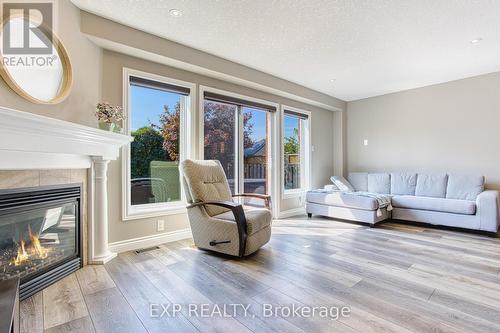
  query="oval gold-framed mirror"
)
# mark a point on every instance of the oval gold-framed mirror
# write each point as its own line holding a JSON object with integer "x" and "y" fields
{"x": 38, "y": 78}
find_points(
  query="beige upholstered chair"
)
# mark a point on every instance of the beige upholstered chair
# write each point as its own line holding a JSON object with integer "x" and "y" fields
{"x": 217, "y": 222}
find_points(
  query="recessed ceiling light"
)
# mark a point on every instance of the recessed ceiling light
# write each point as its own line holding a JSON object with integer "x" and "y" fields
{"x": 475, "y": 41}
{"x": 175, "y": 12}
{"x": 333, "y": 80}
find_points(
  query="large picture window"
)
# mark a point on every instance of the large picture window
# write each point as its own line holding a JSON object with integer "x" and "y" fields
{"x": 296, "y": 151}
{"x": 157, "y": 110}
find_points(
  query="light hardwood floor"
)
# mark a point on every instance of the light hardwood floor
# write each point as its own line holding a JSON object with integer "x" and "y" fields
{"x": 394, "y": 278}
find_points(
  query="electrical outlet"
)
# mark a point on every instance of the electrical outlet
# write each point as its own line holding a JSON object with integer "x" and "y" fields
{"x": 160, "y": 225}
{"x": 365, "y": 142}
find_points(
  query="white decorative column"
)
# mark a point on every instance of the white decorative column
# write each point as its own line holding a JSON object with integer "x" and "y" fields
{"x": 100, "y": 253}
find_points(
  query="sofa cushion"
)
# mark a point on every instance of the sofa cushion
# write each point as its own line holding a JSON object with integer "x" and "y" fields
{"x": 465, "y": 187}
{"x": 455, "y": 206}
{"x": 431, "y": 185}
{"x": 379, "y": 183}
{"x": 403, "y": 183}
{"x": 342, "y": 200}
{"x": 342, "y": 183}
{"x": 257, "y": 219}
{"x": 359, "y": 180}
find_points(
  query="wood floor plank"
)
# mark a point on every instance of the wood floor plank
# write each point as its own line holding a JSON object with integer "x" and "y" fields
{"x": 219, "y": 291}
{"x": 365, "y": 268}
{"x": 466, "y": 306}
{"x": 461, "y": 321}
{"x": 415, "y": 253}
{"x": 293, "y": 286}
{"x": 63, "y": 302}
{"x": 230, "y": 276}
{"x": 179, "y": 291}
{"x": 484, "y": 287}
{"x": 140, "y": 293}
{"x": 307, "y": 324}
{"x": 403, "y": 311}
{"x": 416, "y": 277}
{"x": 31, "y": 313}
{"x": 241, "y": 283}
{"x": 82, "y": 325}
{"x": 436, "y": 243}
{"x": 359, "y": 320}
{"x": 485, "y": 264}
{"x": 110, "y": 312}
{"x": 471, "y": 281}
{"x": 94, "y": 278}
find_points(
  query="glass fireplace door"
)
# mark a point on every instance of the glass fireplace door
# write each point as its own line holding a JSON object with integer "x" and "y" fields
{"x": 40, "y": 235}
{"x": 34, "y": 239}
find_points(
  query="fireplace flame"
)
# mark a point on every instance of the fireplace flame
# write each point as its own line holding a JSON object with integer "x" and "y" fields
{"x": 22, "y": 256}
{"x": 36, "y": 249}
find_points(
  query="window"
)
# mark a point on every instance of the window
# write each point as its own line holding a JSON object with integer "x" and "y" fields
{"x": 237, "y": 132}
{"x": 157, "y": 112}
{"x": 296, "y": 152}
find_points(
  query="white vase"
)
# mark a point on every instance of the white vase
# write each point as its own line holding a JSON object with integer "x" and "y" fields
{"x": 107, "y": 126}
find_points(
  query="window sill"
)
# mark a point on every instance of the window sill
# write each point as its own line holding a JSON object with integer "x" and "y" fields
{"x": 290, "y": 194}
{"x": 136, "y": 213}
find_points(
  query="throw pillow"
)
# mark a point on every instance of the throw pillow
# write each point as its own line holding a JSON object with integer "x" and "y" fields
{"x": 342, "y": 183}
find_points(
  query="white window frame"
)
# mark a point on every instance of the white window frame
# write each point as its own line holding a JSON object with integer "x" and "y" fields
{"x": 134, "y": 212}
{"x": 273, "y": 144}
{"x": 305, "y": 155}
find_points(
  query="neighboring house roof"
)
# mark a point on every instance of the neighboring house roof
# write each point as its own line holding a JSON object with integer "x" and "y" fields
{"x": 258, "y": 149}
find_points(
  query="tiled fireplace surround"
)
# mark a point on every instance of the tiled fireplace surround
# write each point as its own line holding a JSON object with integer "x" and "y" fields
{"x": 12, "y": 179}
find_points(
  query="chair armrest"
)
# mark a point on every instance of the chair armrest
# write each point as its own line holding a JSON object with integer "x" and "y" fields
{"x": 488, "y": 210}
{"x": 239, "y": 217}
{"x": 225, "y": 204}
{"x": 265, "y": 197}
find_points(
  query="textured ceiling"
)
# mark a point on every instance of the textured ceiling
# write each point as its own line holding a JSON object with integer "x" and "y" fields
{"x": 370, "y": 47}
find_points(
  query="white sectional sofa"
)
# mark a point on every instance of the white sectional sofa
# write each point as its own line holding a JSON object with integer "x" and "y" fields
{"x": 440, "y": 199}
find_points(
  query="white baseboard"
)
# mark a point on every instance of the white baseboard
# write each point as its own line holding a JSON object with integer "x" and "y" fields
{"x": 292, "y": 212}
{"x": 147, "y": 241}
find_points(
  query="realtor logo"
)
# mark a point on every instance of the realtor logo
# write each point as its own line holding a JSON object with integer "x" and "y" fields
{"x": 27, "y": 28}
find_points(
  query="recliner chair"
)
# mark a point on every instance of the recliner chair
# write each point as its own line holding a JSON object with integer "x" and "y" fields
{"x": 217, "y": 222}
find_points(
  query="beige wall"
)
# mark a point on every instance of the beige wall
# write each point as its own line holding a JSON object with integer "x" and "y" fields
{"x": 86, "y": 60}
{"x": 113, "y": 64}
{"x": 450, "y": 127}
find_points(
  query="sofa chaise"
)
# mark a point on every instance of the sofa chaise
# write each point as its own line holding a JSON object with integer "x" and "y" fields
{"x": 441, "y": 199}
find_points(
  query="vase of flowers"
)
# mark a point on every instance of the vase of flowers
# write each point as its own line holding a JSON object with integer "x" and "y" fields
{"x": 109, "y": 117}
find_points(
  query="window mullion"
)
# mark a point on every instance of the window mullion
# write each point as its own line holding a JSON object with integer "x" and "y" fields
{"x": 240, "y": 149}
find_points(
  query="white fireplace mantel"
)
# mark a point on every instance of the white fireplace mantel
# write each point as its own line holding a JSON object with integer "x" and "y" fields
{"x": 29, "y": 141}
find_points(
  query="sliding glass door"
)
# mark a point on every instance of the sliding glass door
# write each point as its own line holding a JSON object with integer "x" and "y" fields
{"x": 237, "y": 134}
{"x": 255, "y": 153}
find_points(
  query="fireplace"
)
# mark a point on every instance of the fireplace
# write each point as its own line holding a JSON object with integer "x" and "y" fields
{"x": 40, "y": 231}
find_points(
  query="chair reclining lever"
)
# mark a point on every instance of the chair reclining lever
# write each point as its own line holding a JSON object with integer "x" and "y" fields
{"x": 213, "y": 243}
